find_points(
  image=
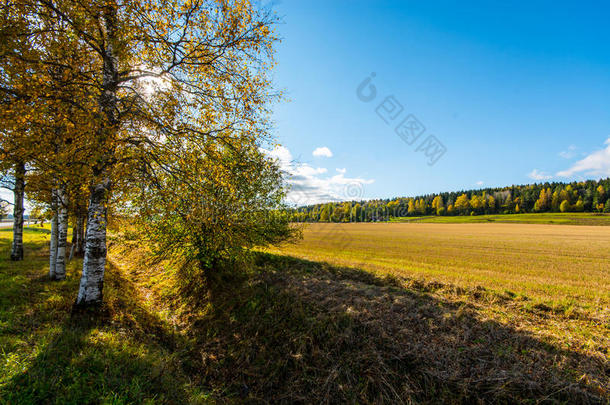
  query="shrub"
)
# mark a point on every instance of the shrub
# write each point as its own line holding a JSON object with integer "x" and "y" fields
{"x": 208, "y": 225}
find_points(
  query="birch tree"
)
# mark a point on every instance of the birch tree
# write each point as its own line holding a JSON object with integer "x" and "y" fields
{"x": 13, "y": 179}
{"x": 62, "y": 234}
{"x": 47, "y": 115}
{"x": 79, "y": 210}
{"x": 160, "y": 74}
{"x": 12, "y": 154}
{"x": 54, "y": 236}
{"x": 18, "y": 210}
{"x": 27, "y": 102}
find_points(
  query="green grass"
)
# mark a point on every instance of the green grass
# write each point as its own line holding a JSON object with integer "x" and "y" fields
{"x": 280, "y": 330}
{"x": 568, "y": 218}
{"x": 50, "y": 356}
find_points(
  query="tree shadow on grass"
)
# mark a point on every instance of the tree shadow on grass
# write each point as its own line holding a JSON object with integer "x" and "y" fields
{"x": 6, "y": 239}
{"x": 119, "y": 353}
{"x": 290, "y": 331}
{"x": 37, "y": 229}
{"x": 33, "y": 229}
{"x": 301, "y": 331}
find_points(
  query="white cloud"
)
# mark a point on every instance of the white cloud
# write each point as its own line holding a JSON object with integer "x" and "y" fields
{"x": 480, "y": 183}
{"x": 568, "y": 154}
{"x": 305, "y": 170}
{"x": 538, "y": 175}
{"x": 309, "y": 184}
{"x": 322, "y": 151}
{"x": 595, "y": 164}
{"x": 280, "y": 153}
{"x": 6, "y": 195}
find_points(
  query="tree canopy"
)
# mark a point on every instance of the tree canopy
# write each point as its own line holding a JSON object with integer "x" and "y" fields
{"x": 157, "y": 110}
{"x": 587, "y": 196}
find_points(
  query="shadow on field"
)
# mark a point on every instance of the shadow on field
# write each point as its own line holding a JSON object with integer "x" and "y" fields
{"x": 287, "y": 331}
{"x": 29, "y": 228}
{"x": 120, "y": 353}
{"x": 33, "y": 229}
{"x": 300, "y": 331}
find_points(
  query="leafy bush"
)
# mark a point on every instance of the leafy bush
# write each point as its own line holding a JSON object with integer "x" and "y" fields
{"x": 206, "y": 208}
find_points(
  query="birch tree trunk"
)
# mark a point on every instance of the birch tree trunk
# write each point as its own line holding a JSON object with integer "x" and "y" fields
{"x": 92, "y": 279}
{"x": 62, "y": 234}
{"x": 53, "y": 248}
{"x": 77, "y": 237}
{"x": 94, "y": 264}
{"x": 18, "y": 193}
{"x": 80, "y": 236}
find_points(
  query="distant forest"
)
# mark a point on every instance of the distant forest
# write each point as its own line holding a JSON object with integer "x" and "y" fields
{"x": 587, "y": 196}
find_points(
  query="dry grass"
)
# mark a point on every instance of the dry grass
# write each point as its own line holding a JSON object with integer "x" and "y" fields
{"x": 436, "y": 344}
{"x": 550, "y": 283}
{"x": 286, "y": 330}
{"x": 556, "y": 265}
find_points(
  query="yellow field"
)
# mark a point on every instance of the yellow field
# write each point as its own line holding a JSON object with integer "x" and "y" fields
{"x": 547, "y": 263}
{"x": 294, "y": 330}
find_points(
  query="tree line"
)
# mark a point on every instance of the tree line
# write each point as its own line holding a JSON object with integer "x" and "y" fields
{"x": 587, "y": 196}
{"x": 156, "y": 111}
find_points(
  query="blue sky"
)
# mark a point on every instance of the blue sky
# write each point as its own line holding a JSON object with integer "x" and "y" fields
{"x": 516, "y": 93}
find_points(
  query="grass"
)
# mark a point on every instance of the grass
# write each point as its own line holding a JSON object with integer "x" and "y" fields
{"x": 556, "y": 266}
{"x": 49, "y": 355}
{"x": 571, "y": 218}
{"x": 550, "y": 281}
{"x": 281, "y": 330}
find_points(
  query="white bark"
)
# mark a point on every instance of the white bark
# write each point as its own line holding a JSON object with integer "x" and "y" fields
{"x": 92, "y": 279}
{"x": 62, "y": 234}
{"x": 72, "y": 248}
{"x": 53, "y": 248}
{"x": 18, "y": 193}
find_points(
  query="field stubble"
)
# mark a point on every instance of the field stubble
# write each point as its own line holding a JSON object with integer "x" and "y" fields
{"x": 556, "y": 265}
{"x": 549, "y": 281}
{"x": 286, "y": 330}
